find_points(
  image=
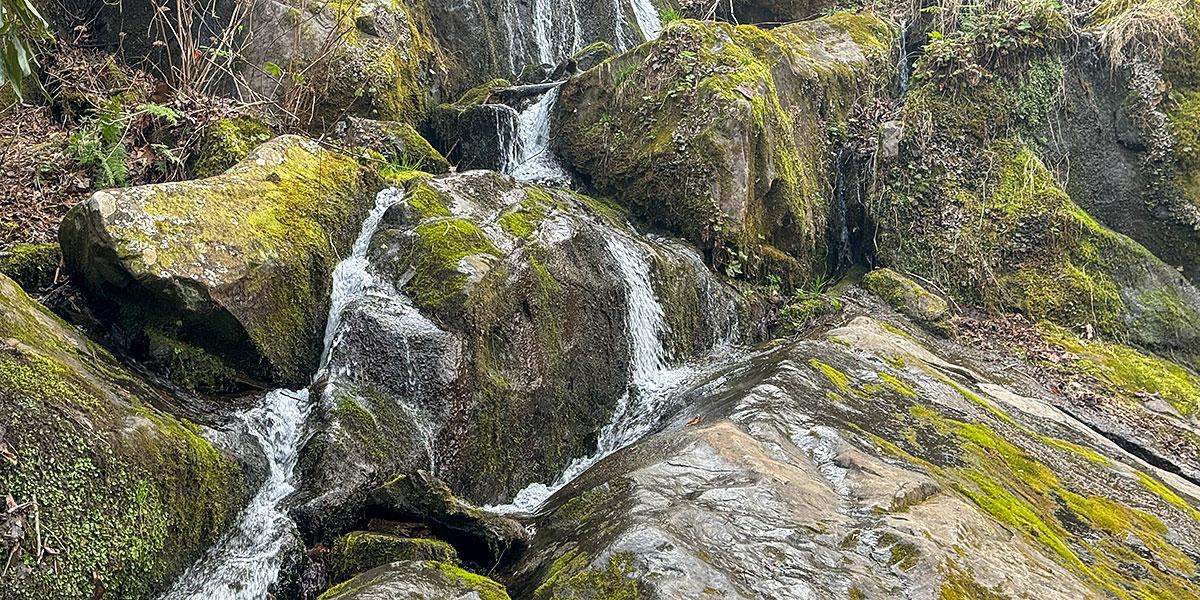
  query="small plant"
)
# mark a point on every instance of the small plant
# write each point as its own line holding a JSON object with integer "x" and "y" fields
{"x": 99, "y": 145}
{"x": 670, "y": 15}
{"x": 21, "y": 25}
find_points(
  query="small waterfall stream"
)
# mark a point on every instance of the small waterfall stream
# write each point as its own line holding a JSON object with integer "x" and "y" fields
{"x": 651, "y": 378}
{"x": 246, "y": 563}
{"x": 647, "y": 18}
{"x": 534, "y": 161}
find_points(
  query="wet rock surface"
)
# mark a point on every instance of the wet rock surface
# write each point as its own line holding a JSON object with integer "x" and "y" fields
{"x": 417, "y": 579}
{"x": 865, "y": 465}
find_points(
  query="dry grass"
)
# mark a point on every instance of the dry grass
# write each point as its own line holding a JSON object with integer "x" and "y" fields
{"x": 1141, "y": 29}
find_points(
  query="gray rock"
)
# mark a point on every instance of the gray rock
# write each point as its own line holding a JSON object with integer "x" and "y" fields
{"x": 820, "y": 469}
{"x": 428, "y": 580}
{"x": 237, "y": 265}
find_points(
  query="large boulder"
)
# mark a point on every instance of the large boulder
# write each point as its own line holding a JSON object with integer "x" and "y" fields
{"x": 234, "y": 268}
{"x": 107, "y": 494}
{"x": 719, "y": 133}
{"x": 868, "y": 464}
{"x": 497, "y": 340}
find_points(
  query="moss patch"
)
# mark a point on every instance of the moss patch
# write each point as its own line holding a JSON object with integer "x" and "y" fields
{"x": 32, "y": 266}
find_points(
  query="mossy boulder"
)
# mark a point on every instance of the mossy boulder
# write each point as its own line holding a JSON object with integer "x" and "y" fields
{"x": 495, "y": 342}
{"x": 474, "y": 131}
{"x": 110, "y": 492}
{"x": 426, "y": 579}
{"x": 866, "y": 449}
{"x": 360, "y": 551}
{"x": 225, "y": 142}
{"x": 908, "y": 297}
{"x": 236, "y": 265}
{"x": 394, "y": 146}
{"x": 720, "y": 133}
{"x": 33, "y": 266}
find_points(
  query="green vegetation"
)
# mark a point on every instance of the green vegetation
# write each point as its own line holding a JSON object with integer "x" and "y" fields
{"x": 31, "y": 265}
{"x": 224, "y": 142}
{"x": 360, "y": 551}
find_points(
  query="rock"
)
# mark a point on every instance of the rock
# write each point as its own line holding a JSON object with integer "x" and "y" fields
{"x": 912, "y": 300}
{"x": 117, "y": 494}
{"x": 499, "y": 39}
{"x": 360, "y": 551}
{"x": 429, "y": 580}
{"x": 494, "y": 343}
{"x": 1129, "y": 174}
{"x": 224, "y": 142}
{"x": 759, "y": 12}
{"x": 486, "y": 539}
{"x": 399, "y": 145}
{"x": 834, "y": 468}
{"x": 32, "y": 266}
{"x": 475, "y": 133}
{"x": 718, "y": 133}
{"x": 236, "y": 265}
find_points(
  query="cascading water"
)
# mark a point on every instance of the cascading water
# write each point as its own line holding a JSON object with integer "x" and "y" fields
{"x": 651, "y": 379}
{"x": 245, "y": 564}
{"x": 647, "y": 18}
{"x": 902, "y": 68}
{"x": 535, "y": 161}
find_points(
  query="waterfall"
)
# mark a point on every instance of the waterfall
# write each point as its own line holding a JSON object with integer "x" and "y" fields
{"x": 647, "y": 18}
{"x": 543, "y": 22}
{"x": 651, "y": 378}
{"x": 535, "y": 161}
{"x": 244, "y": 564}
{"x": 902, "y": 70}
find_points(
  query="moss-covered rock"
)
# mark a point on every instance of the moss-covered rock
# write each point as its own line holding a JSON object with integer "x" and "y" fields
{"x": 237, "y": 265}
{"x": 33, "y": 266}
{"x": 719, "y": 133}
{"x": 360, "y": 551}
{"x": 395, "y": 147}
{"x": 908, "y": 297}
{"x": 475, "y": 133}
{"x": 428, "y": 579}
{"x": 495, "y": 342}
{"x": 111, "y": 493}
{"x": 225, "y": 142}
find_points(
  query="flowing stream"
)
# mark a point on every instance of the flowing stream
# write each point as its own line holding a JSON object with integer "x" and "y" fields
{"x": 531, "y": 145}
{"x": 651, "y": 378}
{"x": 245, "y": 564}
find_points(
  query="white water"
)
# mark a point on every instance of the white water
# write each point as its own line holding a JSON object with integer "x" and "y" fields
{"x": 647, "y": 18}
{"x": 651, "y": 378}
{"x": 535, "y": 161}
{"x": 245, "y": 563}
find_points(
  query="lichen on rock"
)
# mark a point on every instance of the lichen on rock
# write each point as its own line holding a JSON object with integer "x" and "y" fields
{"x": 236, "y": 264}
{"x": 111, "y": 492}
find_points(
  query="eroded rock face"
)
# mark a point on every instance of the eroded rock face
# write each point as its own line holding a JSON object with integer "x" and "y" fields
{"x": 496, "y": 340}
{"x": 867, "y": 465}
{"x": 235, "y": 265}
{"x": 719, "y": 132}
{"x": 417, "y": 579}
{"x": 110, "y": 492}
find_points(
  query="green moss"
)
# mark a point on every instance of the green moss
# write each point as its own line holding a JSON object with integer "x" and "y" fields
{"x": 427, "y": 201}
{"x": 33, "y": 266}
{"x": 188, "y": 366}
{"x": 293, "y": 216}
{"x": 224, "y": 142}
{"x": 912, "y": 300}
{"x": 440, "y": 245}
{"x": 1133, "y": 373}
{"x": 478, "y": 94}
{"x": 360, "y": 551}
{"x": 898, "y": 384}
{"x": 960, "y": 586}
{"x": 836, "y": 377}
{"x": 486, "y": 588}
{"x": 805, "y": 308}
{"x": 572, "y": 579}
{"x": 122, "y": 490}
{"x": 1167, "y": 494}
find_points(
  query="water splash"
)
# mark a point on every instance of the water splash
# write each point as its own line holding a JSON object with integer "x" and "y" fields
{"x": 244, "y": 564}
{"x": 535, "y": 161}
{"x": 651, "y": 378}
